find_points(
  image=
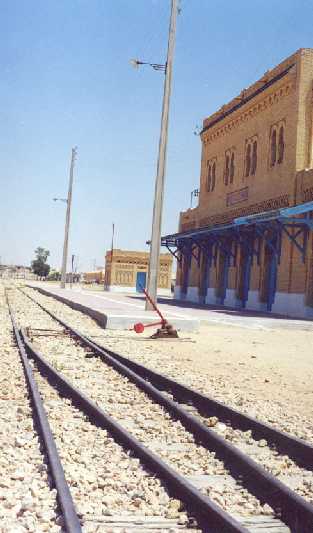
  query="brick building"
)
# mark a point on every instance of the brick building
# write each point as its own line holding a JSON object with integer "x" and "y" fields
{"x": 126, "y": 271}
{"x": 249, "y": 242}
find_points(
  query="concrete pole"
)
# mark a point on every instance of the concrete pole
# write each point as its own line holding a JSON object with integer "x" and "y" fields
{"x": 67, "y": 220}
{"x": 153, "y": 272}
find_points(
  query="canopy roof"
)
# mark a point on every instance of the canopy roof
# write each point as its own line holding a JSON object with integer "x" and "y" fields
{"x": 288, "y": 216}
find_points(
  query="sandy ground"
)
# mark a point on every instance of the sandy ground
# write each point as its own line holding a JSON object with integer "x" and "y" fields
{"x": 272, "y": 364}
{"x": 264, "y": 368}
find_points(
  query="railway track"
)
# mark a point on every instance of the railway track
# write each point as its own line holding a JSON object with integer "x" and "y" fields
{"x": 57, "y": 398}
{"x": 27, "y": 497}
{"x": 295, "y": 512}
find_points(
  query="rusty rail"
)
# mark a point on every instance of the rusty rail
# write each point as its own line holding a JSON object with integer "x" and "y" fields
{"x": 293, "y": 509}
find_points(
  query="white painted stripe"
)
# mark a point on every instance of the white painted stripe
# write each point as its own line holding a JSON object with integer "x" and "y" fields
{"x": 116, "y": 301}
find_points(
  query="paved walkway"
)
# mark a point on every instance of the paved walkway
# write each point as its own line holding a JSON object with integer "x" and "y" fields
{"x": 122, "y": 311}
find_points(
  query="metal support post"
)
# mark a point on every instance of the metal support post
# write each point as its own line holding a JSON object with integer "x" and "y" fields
{"x": 247, "y": 263}
{"x": 159, "y": 183}
{"x": 67, "y": 220}
{"x": 204, "y": 278}
{"x": 272, "y": 280}
{"x": 273, "y": 242}
{"x": 186, "y": 270}
{"x": 224, "y": 278}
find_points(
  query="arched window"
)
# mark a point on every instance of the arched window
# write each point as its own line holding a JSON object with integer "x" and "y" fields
{"x": 281, "y": 145}
{"x": 273, "y": 148}
{"x": 226, "y": 169}
{"x": 248, "y": 159}
{"x": 232, "y": 168}
{"x": 209, "y": 178}
{"x": 254, "y": 157}
{"x": 213, "y": 176}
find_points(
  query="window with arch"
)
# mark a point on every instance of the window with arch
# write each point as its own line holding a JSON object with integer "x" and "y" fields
{"x": 229, "y": 169}
{"x": 232, "y": 168}
{"x": 211, "y": 175}
{"x": 277, "y": 144}
{"x": 281, "y": 145}
{"x": 226, "y": 169}
{"x": 254, "y": 157}
{"x": 209, "y": 178}
{"x": 273, "y": 147}
{"x": 248, "y": 159}
{"x": 251, "y": 156}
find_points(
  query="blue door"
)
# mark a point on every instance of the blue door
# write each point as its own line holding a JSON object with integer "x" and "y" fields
{"x": 141, "y": 281}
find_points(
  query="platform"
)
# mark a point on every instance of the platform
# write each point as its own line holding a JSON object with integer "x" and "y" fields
{"x": 122, "y": 311}
{"x": 116, "y": 311}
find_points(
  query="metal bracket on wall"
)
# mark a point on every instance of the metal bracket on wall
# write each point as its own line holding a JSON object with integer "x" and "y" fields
{"x": 175, "y": 252}
{"x": 273, "y": 241}
{"x": 294, "y": 237}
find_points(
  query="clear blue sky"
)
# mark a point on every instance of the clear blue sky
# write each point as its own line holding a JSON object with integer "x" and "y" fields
{"x": 66, "y": 80}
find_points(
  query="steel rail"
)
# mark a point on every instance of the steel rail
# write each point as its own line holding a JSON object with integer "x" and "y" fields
{"x": 211, "y": 517}
{"x": 299, "y": 450}
{"x": 65, "y": 500}
{"x": 293, "y": 509}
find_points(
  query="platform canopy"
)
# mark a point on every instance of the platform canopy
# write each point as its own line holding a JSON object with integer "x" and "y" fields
{"x": 295, "y": 222}
{"x": 248, "y": 234}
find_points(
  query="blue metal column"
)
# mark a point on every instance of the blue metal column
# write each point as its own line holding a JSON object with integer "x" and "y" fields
{"x": 246, "y": 277}
{"x": 271, "y": 281}
{"x": 207, "y": 258}
{"x": 186, "y": 270}
{"x": 224, "y": 277}
{"x": 273, "y": 243}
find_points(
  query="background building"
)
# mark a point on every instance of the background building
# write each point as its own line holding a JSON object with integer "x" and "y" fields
{"x": 249, "y": 241}
{"x": 16, "y": 272}
{"x": 127, "y": 271}
{"x": 96, "y": 276}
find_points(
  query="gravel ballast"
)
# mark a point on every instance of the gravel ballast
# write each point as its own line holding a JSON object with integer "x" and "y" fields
{"x": 122, "y": 400}
{"x": 27, "y": 499}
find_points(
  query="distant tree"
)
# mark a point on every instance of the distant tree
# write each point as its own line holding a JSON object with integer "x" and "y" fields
{"x": 54, "y": 275}
{"x": 39, "y": 265}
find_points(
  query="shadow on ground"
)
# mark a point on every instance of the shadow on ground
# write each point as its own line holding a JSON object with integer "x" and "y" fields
{"x": 229, "y": 311}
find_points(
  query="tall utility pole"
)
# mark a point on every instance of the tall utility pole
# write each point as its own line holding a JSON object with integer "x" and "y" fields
{"x": 67, "y": 220}
{"x": 153, "y": 273}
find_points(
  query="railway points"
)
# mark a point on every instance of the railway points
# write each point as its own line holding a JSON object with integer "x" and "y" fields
{"x": 215, "y": 484}
{"x": 140, "y": 391}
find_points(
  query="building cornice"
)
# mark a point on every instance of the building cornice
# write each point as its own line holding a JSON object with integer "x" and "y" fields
{"x": 244, "y": 100}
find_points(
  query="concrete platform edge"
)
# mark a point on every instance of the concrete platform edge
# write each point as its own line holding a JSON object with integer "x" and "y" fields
{"x": 99, "y": 317}
{"x": 121, "y": 322}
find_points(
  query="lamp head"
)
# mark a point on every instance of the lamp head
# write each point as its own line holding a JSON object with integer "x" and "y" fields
{"x": 135, "y": 63}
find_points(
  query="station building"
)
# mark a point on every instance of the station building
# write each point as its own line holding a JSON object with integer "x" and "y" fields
{"x": 127, "y": 271}
{"x": 248, "y": 243}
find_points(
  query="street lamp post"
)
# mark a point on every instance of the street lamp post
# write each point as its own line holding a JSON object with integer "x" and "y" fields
{"x": 153, "y": 272}
{"x": 193, "y": 194}
{"x": 67, "y": 219}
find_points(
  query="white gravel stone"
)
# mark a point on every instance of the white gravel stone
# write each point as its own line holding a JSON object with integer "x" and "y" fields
{"x": 21, "y": 461}
{"x": 132, "y": 408}
{"x": 156, "y": 355}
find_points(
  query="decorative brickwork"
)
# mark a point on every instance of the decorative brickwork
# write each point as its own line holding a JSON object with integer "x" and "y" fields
{"x": 266, "y": 205}
{"x": 271, "y": 99}
{"x": 122, "y": 269}
{"x": 237, "y": 197}
{"x": 262, "y": 147}
{"x": 308, "y": 194}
